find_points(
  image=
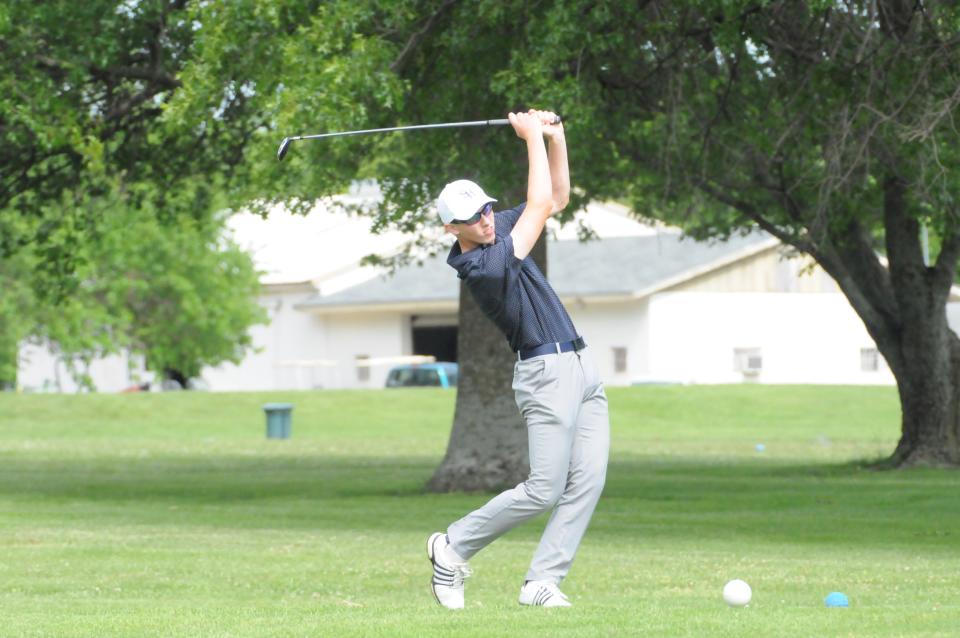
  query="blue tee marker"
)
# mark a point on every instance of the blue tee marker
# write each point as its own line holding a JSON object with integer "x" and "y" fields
{"x": 836, "y": 599}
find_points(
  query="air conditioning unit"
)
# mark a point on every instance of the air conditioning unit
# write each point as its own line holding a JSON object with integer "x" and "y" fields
{"x": 748, "y": 361}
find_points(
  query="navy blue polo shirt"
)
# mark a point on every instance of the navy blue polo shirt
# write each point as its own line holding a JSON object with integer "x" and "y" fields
{"x": 512, "y": 292}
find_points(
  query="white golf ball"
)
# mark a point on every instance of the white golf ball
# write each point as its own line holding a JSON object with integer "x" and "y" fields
{"x": 737, "y": 593}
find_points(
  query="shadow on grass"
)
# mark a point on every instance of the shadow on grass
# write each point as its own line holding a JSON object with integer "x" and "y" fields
{"x": 644, "y": 498}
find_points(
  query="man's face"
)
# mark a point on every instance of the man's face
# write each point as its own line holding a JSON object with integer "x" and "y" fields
{"x": 478, "y": 230}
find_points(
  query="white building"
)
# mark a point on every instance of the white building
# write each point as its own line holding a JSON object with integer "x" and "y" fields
{"x": 653, "y": 306}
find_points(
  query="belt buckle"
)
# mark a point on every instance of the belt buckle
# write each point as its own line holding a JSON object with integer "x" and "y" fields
{"x": 557, "y": 344}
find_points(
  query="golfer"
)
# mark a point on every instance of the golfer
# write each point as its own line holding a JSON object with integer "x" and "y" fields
{"x": 555, "y": 379}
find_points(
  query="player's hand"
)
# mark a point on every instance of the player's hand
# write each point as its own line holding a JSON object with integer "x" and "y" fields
{"x": 528, "y": 126}
{"x": 547, "y": 119}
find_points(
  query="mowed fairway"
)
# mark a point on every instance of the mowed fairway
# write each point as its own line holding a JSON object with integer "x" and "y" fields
{"x": 172, "y": 515}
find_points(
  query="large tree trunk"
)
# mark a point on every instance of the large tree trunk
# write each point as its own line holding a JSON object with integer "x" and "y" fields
{"x": 903, "y": 308}
{"x": 927, "y": 369}
{"x": 488, "y": 445}
{"x": 924, "y": 361}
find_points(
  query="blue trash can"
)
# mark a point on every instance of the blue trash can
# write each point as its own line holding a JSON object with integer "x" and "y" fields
{"x": 279, "y": 416}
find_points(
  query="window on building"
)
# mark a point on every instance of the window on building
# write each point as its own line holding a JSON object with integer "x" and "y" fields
{"x": 619, "y": 359}
{"x": 363, "y": 367}
{"x": 747, "y": 360}
{"x": 869, "y": 359}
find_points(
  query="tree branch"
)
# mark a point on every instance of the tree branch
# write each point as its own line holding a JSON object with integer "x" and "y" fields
{"x": 854, "y": 280}
{"x": 896, "y": 16}
{"x": 854, "y": 265}
{"x": 398, "y": 65}
{"x": 732, "y": 66}
{"x": 945, "y": 267}
{"x": 751, "y": 212}
{"x": 908, "y": 273}
{"x": 859, "y": 257}
{"x": 155, "y": 76}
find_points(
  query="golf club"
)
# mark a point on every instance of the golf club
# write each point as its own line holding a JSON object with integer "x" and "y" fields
{"x": 285, "y": 144}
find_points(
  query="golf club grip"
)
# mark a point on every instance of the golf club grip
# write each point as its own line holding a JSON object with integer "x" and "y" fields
{"x": 556, "y": 120}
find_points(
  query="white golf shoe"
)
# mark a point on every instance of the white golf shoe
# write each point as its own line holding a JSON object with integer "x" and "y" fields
{"x": 449, "y": 570}
{"x": 542, "y": 593}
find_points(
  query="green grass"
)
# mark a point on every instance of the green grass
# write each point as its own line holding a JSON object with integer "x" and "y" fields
{"x": 172, "y": 515}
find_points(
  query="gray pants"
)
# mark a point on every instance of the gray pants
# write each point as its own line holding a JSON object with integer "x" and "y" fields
{"x": 563, "y": 403}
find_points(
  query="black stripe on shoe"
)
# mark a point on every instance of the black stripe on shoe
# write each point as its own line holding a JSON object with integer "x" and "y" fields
{"x": 543, "y": 595}
{"x": 442, "y": 575}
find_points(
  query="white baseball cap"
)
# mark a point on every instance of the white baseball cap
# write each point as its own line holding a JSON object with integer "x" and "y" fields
{"x": 461, "y": 200}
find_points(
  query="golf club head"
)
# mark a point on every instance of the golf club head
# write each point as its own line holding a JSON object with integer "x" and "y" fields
{"x": 282, "y": 151}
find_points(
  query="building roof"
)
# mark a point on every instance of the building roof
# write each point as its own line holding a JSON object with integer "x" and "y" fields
{"x": 620, "y": 266}
{"x": 289, "y": 248}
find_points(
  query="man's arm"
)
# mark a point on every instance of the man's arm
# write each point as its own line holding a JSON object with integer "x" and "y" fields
{"x": 540, "y": 203}
{"x": 557, "y": 154}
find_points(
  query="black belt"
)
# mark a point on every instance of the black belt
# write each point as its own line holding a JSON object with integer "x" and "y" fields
{"x": 552, "y": 348}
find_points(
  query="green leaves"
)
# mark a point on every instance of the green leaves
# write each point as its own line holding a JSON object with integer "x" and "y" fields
{"x": 170, "y": 288}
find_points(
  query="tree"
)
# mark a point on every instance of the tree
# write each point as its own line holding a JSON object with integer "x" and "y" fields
{"x": 180, "y": 296}
{"x": 183, "y": 295}
{"x": 827, "y": 124}
{"x": 107, "y": 208}
{"x": 82, "y": 99}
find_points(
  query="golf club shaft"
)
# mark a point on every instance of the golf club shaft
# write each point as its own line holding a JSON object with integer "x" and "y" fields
{"x": 405, "y": 128}
{"x": 285, "y": 144}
